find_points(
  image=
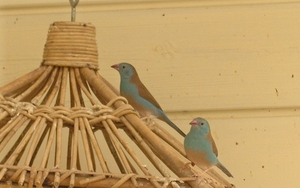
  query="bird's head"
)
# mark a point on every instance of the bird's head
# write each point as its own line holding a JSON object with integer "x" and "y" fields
{"x": 200, "y": 124}
{"x": 126, "y": 70}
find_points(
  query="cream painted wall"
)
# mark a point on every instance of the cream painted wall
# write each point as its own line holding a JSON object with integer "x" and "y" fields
{"x": 235, "y": 63}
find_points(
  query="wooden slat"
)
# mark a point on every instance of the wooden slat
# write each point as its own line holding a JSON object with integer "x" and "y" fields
{"x": 32, "y": 6}
{"x": 191, "y": 59}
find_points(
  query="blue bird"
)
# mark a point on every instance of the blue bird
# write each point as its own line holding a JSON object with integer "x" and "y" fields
{"x": 200, "y": 147}
{"x": 138, "y": 95}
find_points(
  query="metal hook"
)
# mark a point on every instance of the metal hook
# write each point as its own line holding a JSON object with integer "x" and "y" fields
{"x": 73, "y": 9}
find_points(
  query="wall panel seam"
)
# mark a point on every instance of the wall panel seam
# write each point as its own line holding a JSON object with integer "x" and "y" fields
{"x": 33, "y": 7}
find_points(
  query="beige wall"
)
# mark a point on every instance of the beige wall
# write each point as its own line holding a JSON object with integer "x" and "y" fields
{"x": 235, "y": 63}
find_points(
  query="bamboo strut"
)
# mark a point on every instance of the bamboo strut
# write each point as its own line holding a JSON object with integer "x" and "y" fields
{"x": 167, "y": 137}
{"x": 69, "y": 147}
{"x": 146, "y": 148}
{"x": 77, "y": 97}
{"x": 74, "y": 89}
{"x": 148, "y": 152}
{"x": 3, "y": 114}
{"x": 58, "y": 150}
{"x": 48, "y": 99}
{"x": 155, "y": 141}
{"x": 96, "y": 146}
{"x": 113, "y": 151}
{"x": 18, "y": 142}
{"x": 60, "y": 101}
{"x": 9, "y": 106}
{"x": 9, "y": 126}
{"x": 18, "y": 124}
{"x": 124, "y": 159}
{"x": 31, "y": 177}
{"x": 39, "y": 181}
{"x": 47, "y": 149}
{"x": 46, "y": 86}
{"x": 129, "y": 150}
{"x": 40, "y": 121}
{"x": 35, "y": 85}
{"x": 86, "y": 145}
{"x": 93, "y": 158}
{"x": 24, "y": 80}
{"x": 118, "y": 147}
{"x": 41, "y": 138}
{"x": 76, "y": 103}
{"x": 84, "y": 87}
{"x": 74, "y": 151}
{"x": 20, "y": 147}
{"x": 12, "y": 149}
{"x": 63, "y": 88}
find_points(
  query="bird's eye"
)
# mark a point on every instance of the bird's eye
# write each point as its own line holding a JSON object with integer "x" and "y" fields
{"x": 202, "y": 123}
{"x": 123, "y": 67}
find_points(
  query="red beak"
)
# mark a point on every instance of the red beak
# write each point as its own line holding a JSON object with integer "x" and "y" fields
{"x": 194, "y": 123}
{"x": 116, "y": 66}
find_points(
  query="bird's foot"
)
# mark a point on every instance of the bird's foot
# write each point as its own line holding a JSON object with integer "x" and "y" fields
{"x": 147, "y": 120}
{"x": 200, "y": 175}
{"x": 186, "y": 165}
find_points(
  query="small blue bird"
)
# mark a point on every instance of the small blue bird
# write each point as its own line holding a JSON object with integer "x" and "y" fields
{"x": 200, "y": 147}
{"x": 138, "y": 96}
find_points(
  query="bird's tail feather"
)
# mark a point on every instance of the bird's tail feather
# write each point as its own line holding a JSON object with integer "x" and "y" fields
{"x": 221, "y": 167}
{"x": 164, "y": 118}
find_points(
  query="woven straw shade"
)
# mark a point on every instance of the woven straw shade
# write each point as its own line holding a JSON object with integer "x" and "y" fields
{"x": 65, "y": 125}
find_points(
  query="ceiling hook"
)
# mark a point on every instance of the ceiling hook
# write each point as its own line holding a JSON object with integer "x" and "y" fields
{"x": 73, "y": 4}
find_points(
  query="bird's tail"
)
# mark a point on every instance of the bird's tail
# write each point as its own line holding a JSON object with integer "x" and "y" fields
{"x": 164, "y": 118}
{"x": 221, "y": 167}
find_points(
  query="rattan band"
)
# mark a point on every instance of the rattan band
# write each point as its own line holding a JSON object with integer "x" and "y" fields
{"x": 71, "y": 44}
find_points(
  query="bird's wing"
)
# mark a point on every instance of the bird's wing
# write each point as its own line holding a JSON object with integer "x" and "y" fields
{"x": 213, "y": 144}
{"x": 144, "y": 93}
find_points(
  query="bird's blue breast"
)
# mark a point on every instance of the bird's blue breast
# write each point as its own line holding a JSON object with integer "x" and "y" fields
{"x": 192, "y": 141}
{"x": 131, "y": 92}
{"x": 196, "y": 142}
{"x": 128, "y": 88}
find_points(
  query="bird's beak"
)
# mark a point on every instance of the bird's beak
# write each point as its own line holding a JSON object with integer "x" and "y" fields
{"x": 116, "y": 66}
{"x": 193, "y": 123}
